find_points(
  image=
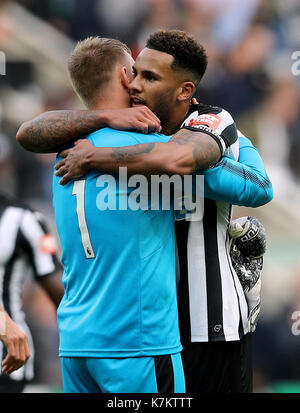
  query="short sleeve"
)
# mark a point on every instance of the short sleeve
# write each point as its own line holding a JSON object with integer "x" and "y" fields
{"x": 217, "y": 121}
{"x": 39, "y": 243}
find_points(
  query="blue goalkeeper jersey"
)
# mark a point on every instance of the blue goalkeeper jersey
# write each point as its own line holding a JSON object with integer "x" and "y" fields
{"x": 119, "y": 266}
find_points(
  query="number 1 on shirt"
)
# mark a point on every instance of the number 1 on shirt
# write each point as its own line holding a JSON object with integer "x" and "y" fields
{"x": 79, "y": 192}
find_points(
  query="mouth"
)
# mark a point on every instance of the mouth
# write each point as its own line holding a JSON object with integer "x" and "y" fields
{"x": 134, "y": 101}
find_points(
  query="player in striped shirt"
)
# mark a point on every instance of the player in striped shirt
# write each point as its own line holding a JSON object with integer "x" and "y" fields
{"x": 158, "y": 73}
{"x": 26, "y": 246}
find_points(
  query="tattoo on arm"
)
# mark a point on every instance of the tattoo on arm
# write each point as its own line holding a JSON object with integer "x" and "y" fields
{"x": 200, "y": 152}
{"x": 128, "y": 152}
{"x": 205, "y": 150}
{"x": 49, "y": 131}
{"x": 183, "y": 137}
{"x": 185, "y": 153}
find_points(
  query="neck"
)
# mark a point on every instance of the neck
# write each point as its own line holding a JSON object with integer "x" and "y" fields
{"x": 175, "y": 119}
{"x": 113, "y": 98}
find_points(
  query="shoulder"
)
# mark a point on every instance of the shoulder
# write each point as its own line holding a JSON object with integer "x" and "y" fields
{"x": 22, "y": 215}
{"x": 150, "y": 137}
{"x": 108, "y": 137}
{"x": 100, "y": 133}
{"x": 25, "y": 208}
{"x": 7, "y": 201}
{"x": 113, "y": 137}
{"x": 215, "y": 118}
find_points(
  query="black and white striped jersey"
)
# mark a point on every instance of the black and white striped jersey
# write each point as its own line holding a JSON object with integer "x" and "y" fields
{"x": 25, "y": 246}
{"x": 211, "y": 301}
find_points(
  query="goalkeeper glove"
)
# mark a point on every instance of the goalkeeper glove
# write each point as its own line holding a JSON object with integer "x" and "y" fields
{"x": 247, "y": 246}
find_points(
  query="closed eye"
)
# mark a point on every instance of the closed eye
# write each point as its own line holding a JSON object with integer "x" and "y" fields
{"x": 149, "y": 77}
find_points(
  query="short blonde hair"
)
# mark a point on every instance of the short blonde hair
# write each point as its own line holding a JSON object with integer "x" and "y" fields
{"x": 92, "y": 63}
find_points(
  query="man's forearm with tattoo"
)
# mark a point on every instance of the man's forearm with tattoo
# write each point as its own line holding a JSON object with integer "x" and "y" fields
{"x": 205, "y": 151}
{"x": 186, "y": 152}
{"x": 130, "y": 152}
{"x": 52, "y": 130}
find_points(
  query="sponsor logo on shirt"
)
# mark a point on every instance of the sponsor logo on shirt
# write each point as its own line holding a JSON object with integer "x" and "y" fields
{"x": 48, "y": 244}
{"x": 213, "y": 121}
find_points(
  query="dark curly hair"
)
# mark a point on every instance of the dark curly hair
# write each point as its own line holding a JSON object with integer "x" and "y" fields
{"x": 187, "y": 52}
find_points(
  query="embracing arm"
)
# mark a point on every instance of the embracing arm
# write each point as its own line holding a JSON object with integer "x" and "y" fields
{"x": 243, "y": 183}
{"x": 50, "y": 131}
{"x": 187, "y": 151}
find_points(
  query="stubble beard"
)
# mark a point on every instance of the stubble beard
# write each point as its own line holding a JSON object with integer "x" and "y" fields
{"x": 163, "y": 106}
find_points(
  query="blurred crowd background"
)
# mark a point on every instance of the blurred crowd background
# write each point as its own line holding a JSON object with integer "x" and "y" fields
{"x": 252, "y": 73}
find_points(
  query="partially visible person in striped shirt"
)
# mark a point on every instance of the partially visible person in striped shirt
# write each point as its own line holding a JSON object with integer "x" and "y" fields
{"x": 25, "y": 245}
{"x": 16, "y": 342}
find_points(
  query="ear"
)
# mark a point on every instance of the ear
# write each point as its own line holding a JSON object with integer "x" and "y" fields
{"x": 186, "y": 91}
{"x": 124, "y": 78}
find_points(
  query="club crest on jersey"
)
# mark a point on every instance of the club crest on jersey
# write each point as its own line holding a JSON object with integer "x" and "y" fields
{"x": 213, "y": 121}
